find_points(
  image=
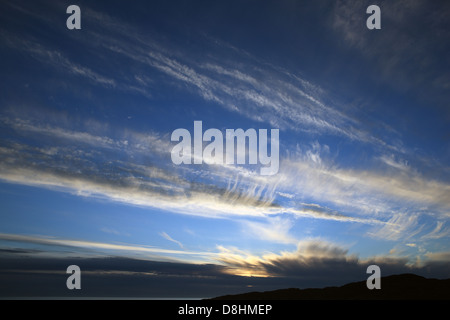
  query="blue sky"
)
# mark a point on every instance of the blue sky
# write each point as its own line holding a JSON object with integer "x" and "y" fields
{"x": 86, "y": 117}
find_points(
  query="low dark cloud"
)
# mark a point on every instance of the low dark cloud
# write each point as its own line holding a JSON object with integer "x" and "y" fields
{"x": 16, "y": 251}
{"x": 118, "y": 277}
{"x": 317, "y": 263}
{"x": 314, "y": 264}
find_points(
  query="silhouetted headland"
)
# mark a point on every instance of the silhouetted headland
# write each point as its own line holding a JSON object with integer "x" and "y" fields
{"x": 395, "y": 287}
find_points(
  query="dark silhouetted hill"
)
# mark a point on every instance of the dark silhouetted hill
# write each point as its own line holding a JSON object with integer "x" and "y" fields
{"x": 396, "y": 287}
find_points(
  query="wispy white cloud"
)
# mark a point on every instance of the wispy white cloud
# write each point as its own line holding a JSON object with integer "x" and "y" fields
{"x": 107, "y": 248}
{"x": 167, "y": 237}
{"x": 401, "y": 226}
{"x": 355, "y": 196}
{"x": 275, "y": 230}
{"x": 394, "y": 163}
{"x": 114, "y": 231}
{"x": 440, "y": 231}
{"x": 232, "y": 191}
{"x": 254, "y": 88}
{"x": 129, "y": 140}
{"x": 57, "y": 60}
{"x": 368, "y": 191}
{"x": 153, "y": 187}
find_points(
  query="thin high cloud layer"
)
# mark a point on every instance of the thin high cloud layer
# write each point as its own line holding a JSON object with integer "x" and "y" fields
{"x": 392, "y": 201}
{"x": 355, "y": 196}
{"x": 406, "y": 38}
{"x": 250, "y": 88}
{"x": 241, "y": 84}
{"x": 105, "y": 249}
{"x": 370, "y": 190}
{"x": 410, "y": 205}
{"x": 77, "y": 163}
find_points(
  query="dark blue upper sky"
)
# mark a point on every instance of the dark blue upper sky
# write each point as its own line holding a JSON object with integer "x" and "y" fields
{"x": 86, "y": 118}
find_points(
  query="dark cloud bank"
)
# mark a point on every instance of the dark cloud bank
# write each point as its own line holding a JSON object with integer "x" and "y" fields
{"x": 25, "y": 276}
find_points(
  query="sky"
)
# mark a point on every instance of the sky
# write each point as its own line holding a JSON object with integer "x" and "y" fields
{"x": 86, "y": 118}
